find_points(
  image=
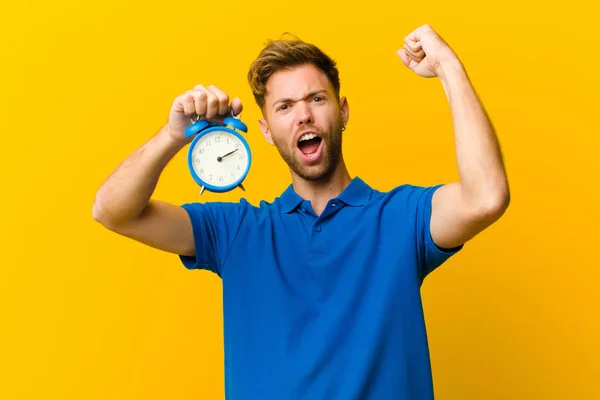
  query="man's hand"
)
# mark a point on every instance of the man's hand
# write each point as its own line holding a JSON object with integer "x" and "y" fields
{"x": 210, "y": 103}
{"x": 425, "y": 51}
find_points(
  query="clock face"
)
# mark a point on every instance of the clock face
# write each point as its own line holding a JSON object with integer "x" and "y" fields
{"x": 220, "y": 158}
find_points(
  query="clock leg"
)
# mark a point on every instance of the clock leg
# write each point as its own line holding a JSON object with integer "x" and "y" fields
{"x": 241, "y": 187}
{"x": 202, "y": 190}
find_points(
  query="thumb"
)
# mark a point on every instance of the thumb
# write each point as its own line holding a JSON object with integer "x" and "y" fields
{"x": 236, "y": 106}
{"x": 404, "y": 57}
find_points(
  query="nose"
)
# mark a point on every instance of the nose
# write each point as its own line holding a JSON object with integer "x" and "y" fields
{"x": 304, "y": 116}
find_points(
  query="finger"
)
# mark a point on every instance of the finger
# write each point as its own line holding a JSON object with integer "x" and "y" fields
{"x": 412, "y": 38}
{"x": 187, "y": 101}
{"x": 212, "y": 104}
{"x": 407, "y": 60}
{"x": 415, "y": 55}
{"x": 199, "y": 96}
{"x": 222, "y": 99}
{"x": 404, "y": 57}
{"x": 236, "y": 106}
{"x": 412, "y": 44}
{"x": 416, "y": 34}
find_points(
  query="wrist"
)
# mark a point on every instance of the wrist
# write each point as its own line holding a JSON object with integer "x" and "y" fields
{"x": 172, "y": 139}
{"x": 449, "y": 66}
{"x": 168, "y": 141}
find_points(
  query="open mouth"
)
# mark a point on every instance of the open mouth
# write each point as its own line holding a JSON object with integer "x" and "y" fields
{"x": 310, "y": 146}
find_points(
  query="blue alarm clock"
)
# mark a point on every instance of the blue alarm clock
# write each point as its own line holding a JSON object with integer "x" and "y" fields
{"x": 219, "y": 157}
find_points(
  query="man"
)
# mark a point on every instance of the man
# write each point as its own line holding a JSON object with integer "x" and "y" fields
{"x": 321, "y": 287}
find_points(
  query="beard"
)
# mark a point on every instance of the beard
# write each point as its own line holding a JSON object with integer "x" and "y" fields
{"x": 332, "y": 146}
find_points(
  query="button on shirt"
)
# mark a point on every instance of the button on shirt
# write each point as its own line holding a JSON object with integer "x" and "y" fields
{"x": 327, "y": 306}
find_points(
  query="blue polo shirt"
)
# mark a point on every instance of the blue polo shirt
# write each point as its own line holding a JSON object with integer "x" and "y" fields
{"x": 322, "y": 307}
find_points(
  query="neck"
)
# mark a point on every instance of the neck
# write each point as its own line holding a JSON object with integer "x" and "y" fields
{"x": 320, "y": 192}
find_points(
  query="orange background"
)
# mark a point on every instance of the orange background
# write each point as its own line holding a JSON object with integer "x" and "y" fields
{"x": 87, "y": 314}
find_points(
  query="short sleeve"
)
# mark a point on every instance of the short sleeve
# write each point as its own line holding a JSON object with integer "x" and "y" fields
{"x": 430, "y": 255}
{"x": 215, "y": 226}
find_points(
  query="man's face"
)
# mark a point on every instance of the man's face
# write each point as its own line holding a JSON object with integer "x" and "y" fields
{"x": 304, "y": 120}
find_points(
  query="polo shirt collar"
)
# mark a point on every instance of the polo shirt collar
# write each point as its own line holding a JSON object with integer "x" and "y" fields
{"x": 357, "y": 193}
{"x": 289, "y": 200}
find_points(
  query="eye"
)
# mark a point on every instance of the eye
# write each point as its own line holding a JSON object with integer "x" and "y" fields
{"x": 317, "y": 98}
{"x": 282, "y": 107}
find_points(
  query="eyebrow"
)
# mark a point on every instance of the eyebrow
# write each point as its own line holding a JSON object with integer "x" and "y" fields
{"x": 289, "y": 100}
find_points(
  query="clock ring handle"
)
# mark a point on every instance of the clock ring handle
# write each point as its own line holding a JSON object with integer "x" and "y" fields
{"x": 197, "y": 118}
{"x": 233, "y": 113}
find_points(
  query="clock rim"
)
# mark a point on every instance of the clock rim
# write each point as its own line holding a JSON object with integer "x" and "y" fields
{"x": 208, "y": 186}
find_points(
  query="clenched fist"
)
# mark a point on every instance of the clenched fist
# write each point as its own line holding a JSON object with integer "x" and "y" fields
{"x": 424, "y": 52}
{"x": 210, "y": 103}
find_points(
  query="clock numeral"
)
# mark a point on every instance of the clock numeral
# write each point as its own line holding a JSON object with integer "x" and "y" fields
{"x": 232, "y": 175}
{"x": 210, "y": 177}
{"x": 209, "y": 143}
{"x": 227, "y": 140}
{"x": 201, "y": 151}
{"x": 220, "y": 179}
{"x": 218, "y": 139}
{"x": 197, "y": 160}
{"x": 239, "y": 168}
{"x": 201, "y": 170}
{"x": 237, "y": 145}
{"x": 241, "y": 157}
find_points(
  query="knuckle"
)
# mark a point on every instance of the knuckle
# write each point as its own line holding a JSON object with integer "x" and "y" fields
{"x": 224, "y": 100}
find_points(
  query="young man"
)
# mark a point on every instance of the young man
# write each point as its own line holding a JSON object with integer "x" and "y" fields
{"x": 321, "y": 286}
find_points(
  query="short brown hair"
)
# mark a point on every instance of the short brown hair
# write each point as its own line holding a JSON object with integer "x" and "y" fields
{"x": 286, "y": 54}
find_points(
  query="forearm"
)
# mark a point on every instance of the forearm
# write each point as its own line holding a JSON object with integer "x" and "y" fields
{"x": 127, "y": 191}
{"x": 480, "y": 164}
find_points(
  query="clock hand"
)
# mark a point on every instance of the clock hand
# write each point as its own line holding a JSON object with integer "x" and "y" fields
{"x": 219, "y": 159}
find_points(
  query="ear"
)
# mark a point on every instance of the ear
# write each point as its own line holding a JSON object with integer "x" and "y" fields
{"x": 264, "y": 127}
{"x": 345, "y": 109}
